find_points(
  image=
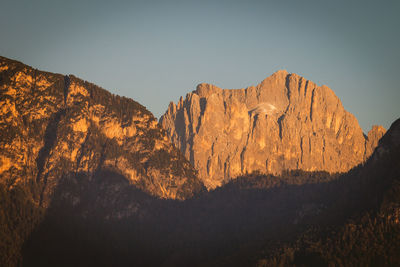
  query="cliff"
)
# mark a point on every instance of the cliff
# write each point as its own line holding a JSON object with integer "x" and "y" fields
{"x": 286, "y": 122}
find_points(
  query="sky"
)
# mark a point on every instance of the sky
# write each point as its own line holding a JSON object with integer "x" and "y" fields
{"x": 157, "y": 51}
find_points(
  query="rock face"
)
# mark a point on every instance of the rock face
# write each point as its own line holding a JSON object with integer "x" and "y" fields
{"x": 285, "y": 122}
{"x": 54, "y": 126}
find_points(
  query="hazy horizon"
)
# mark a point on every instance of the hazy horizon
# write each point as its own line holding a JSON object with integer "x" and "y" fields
{"x": 155, "y": 52}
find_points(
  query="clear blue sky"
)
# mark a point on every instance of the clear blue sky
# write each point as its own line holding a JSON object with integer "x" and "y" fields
{"x": 156, "y": 51}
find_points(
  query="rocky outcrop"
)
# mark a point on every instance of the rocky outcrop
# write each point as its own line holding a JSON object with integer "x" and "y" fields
{"x": 373, "y": 138}
{"x": 286, "y": 122}
{"x": 54, "y": 126}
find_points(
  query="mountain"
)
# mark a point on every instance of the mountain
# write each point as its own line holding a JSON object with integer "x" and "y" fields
{"x": 286, "y": 122}
{"x": 295, "y": 219}
{"x": 53, "y": 126}
{"x": 61, "y": 136}
{"x": 89, "y": 179}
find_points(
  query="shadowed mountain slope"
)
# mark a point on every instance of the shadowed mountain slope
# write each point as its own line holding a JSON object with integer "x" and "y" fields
{"x": 296, "y": 219}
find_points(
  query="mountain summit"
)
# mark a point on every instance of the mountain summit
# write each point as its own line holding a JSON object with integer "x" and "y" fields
{"x": 285, "y": 122}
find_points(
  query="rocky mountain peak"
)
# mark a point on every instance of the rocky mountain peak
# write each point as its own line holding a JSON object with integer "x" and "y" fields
{"x": 284, "y": 122}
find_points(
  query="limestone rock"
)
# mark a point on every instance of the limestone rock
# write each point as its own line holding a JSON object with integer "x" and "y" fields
{"x": 286, "y": 122}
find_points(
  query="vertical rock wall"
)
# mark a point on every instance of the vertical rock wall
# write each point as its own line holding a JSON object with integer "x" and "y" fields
{"x": 285, "y": 122}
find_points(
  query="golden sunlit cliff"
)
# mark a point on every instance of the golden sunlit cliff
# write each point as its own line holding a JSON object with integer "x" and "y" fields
{"x": 286, "y": 122}
{"x": 54, "y": 126}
